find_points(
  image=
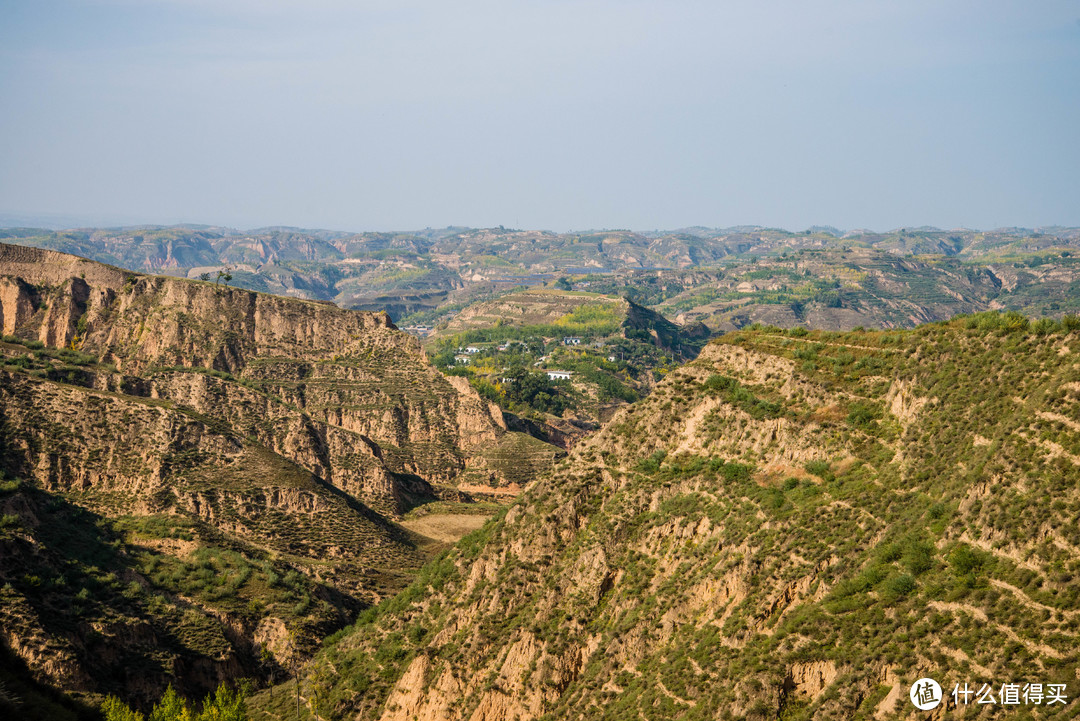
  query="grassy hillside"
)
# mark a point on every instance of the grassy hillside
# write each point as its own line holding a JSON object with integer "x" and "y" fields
{"x": 613, "y": 349}
{"x": 794, "y": 525}
{"x": 848, "y": 286}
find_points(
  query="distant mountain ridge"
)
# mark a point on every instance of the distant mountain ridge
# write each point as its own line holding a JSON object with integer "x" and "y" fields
{"x": 406, "y": 273}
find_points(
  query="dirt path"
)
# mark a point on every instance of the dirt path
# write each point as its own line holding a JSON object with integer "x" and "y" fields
{"x": 878, "y": 349}
{"x": 1057, "y": 417}
{"x": 1036, "y": 649}
{"x": 1031, "y": 603}
{"x": 1013, "y": 556}
{"x": 1054, "y": 449}
{"x": 673, "y": 697}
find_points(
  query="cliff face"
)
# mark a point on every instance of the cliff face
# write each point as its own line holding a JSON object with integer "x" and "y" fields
{"x": 792, "y": 526}
{"x": 122, "y": 501}
{"x": 229, "y": 463}
{"x": 342, "y": 393}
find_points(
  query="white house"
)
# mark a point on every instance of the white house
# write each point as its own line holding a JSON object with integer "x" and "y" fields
{"x": 556, "y": 375}
{"x": 472, "y": 349}
{"x": 462, "y": 360}
{"x": 571, "y": 340}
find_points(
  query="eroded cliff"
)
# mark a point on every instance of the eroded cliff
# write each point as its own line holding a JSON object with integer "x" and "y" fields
{"x": 342, "y": 393}
{"x": 191, "y": 474}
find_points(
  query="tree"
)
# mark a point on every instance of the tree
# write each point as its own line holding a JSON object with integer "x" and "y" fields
{"x": 171, "y": 707}
{"x": 268, "y": 662}
{"x": 534, "y": 390}
{"x": 319, "y": 683}
{"x": 292, "y": 651}
{"x": 563, "y": 284}
{"x": 116, "y": 710}
{"x": 225, "y": 704}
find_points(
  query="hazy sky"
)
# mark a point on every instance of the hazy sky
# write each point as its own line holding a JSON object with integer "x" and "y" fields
{"x": 558, "y": 114}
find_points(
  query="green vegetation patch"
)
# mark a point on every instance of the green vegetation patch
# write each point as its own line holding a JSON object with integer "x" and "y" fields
{"x": 733, "y": 392}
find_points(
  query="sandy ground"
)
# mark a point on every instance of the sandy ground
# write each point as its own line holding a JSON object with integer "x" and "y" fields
{"x": 446, "y": 527}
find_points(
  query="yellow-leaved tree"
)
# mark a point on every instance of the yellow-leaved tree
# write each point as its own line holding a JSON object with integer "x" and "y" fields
{"x": 225, "y": 704}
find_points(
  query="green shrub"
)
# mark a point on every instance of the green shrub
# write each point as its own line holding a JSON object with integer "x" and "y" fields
{"x": 1014, "y": 322}
{"x": 652, "y": 463}
{"x": 863, "y": 415}
{"x": 116, "y": 710}
{"x": 966, "y": 560}
{"x": 918, "y": 557}
{"x": 732, "y": 472}
{"x": 1045, "y": 326}
{"x": 901, "y": 585}
{"x": 820, "y": 469}
{"x": 891, "y": 552}
{"x": 720, "y": 383}
{"x": 735, "y": 393}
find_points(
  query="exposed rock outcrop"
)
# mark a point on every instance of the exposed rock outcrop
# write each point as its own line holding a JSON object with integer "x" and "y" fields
{"x": 342, "y": 393}
{"x": 193, "y": 437}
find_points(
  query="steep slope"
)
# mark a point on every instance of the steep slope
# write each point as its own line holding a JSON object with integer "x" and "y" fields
{"x": 144, "y": 544}
{"x": 794, "y": 525}
{"x": 192, "y": 474}
{"x": 341, "y": 393}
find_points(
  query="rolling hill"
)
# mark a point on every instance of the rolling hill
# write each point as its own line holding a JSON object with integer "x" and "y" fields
{"x": 725, "y": 277}
{"x": 794, "y": 525}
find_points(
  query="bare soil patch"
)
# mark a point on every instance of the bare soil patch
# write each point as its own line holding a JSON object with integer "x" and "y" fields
{"x": 446, "y": 527}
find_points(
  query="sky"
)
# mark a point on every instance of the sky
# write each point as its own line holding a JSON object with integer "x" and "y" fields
{"x": 542, "y": 114}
